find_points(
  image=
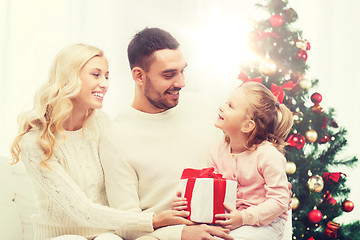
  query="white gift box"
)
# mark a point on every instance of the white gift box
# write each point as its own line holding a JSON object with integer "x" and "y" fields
{"x": 207, "y": 196}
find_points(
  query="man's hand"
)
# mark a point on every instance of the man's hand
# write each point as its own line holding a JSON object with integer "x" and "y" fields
{"x": 230, "y": 220}
{"x": 171, "y": 217}
{"x": 205, "y": 232}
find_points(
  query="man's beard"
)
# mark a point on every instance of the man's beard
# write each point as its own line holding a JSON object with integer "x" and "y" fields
{"x": 156, "y": 98}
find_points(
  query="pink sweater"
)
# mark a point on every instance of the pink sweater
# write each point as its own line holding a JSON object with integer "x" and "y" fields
{"x": 262, "y": 192}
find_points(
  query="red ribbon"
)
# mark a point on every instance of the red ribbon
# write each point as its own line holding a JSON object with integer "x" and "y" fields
{"x": 242, "y": 76}
{"x": 278, "y": 91}
{"x": 335, "y": 176}
{"x": 219, "y": 187}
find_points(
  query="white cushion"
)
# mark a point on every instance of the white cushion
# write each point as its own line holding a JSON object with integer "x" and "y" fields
{"x": 10, "y": 223}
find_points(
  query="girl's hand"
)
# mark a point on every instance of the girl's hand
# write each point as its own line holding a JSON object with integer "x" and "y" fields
{"x": 179, "y": 203}
{"x": 230, "y": 220}
{"x": 171, "y": 217}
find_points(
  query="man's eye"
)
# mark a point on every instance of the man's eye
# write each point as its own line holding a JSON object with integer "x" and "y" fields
{"x": 169, "y": 75}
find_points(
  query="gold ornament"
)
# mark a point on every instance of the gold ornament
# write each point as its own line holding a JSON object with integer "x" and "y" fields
{"x": 316, "y": 183}
{"x": 294, "y": 203}
{"x": 298, "y": 117}
{"x": 305, "y": 83}
{"x": 301, "y": 44}
{"x": 267, "y": 67}
{"x": 290, "y": 168}
{"x": 311, "y": 135}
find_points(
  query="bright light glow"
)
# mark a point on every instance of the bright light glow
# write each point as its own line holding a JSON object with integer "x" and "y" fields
{"x": 222, "y": 45}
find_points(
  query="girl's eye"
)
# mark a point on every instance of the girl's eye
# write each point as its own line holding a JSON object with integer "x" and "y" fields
{"x": 96, "y": 75}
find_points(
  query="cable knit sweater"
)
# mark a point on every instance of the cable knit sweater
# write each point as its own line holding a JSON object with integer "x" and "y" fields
{"x": 71, "y": 195}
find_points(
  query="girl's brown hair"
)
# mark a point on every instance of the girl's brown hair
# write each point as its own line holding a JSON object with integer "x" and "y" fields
{"x": 273, "y": 121}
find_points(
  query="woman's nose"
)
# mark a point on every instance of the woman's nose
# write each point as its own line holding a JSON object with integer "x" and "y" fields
{"x": 104, "y": 83}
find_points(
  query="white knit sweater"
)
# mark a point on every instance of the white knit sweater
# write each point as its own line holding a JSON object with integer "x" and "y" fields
{"x": 143, "y": 156}
{"x": 70, "y": 195}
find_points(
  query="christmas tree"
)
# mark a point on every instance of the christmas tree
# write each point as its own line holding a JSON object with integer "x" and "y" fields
{"x": 319, "y": 194}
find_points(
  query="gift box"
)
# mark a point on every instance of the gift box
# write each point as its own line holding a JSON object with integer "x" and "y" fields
{"x": 206, "y": 194}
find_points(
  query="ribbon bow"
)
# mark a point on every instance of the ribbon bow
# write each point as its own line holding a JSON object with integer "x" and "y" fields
{"x": 335, "y": 176}
{"x": 242, "y": 76}
{"x": 200, "y": 173}
{"x": 278, "y": 91}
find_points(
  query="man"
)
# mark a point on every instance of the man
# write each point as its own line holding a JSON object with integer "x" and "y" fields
{"x": 147, "y": 147}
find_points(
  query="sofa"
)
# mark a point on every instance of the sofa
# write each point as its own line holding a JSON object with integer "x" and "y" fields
{"x": 17, "y": 203}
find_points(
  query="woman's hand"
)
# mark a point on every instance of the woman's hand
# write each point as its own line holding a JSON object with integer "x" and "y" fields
{"x": 171, "y": 217}
{"x": 179, "y": 203}
{"x": 230, "y": 220}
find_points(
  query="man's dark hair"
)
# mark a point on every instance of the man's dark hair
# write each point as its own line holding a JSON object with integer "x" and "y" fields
{"x": 145, "y": 43}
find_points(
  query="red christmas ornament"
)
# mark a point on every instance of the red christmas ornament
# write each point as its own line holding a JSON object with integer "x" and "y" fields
{"x": 324, "y": 139}
{"x": 308, "y": 46}
{"x": 296, "y": 140}
{"x": 329, "y": 199}
{"x": 347, "y": 206}
{"x": 276, "y": 20}
{"x": 302, "y": 54}
{"x": 315, "y": 216}
{"x": 316, "y": 98}
{"x": 332, "y": 229}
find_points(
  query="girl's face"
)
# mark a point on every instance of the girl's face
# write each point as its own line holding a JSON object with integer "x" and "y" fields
{"x": 94, "y": 84}
{"x": 232, "y": 115}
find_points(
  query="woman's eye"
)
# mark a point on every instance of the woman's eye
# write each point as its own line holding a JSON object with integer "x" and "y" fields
{"x": 96, "y": 75}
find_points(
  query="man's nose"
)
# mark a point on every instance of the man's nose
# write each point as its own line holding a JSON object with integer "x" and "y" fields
{"x": 180, "y": 81}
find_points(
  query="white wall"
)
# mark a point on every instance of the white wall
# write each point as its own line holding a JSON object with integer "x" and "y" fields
{"x": 211, "y": 32}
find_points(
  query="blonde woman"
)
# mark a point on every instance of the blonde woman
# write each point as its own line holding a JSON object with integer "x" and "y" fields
{"x": 58, "y": 144}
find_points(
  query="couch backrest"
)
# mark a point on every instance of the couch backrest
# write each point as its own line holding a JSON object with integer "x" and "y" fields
{"x": 17, "y": 202}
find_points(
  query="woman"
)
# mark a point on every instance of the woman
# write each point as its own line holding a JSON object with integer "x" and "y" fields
{"x": 58, "y": 144}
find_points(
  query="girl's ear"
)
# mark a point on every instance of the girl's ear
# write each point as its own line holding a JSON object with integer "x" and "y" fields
{"x": 138, "y": 75}
{"x": 248, "y": 126}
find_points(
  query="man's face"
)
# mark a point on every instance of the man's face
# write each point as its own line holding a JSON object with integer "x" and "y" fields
{"x": 165, "y": 79}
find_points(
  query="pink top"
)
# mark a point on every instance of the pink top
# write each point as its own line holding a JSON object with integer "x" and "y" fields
{"x": 262, "y": 192}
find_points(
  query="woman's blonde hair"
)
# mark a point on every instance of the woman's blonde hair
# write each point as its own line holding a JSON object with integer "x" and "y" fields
{"x": 53, "y": 105}
{"x": 273, "y": 121}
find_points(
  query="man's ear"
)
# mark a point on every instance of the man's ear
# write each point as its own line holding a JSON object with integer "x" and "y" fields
{"x": 248, "y": 126}
{"x": 138, "y": 75}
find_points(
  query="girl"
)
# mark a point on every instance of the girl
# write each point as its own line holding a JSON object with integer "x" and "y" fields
{"x": 255, "y": 127}
{"x": 58, "y": 144}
